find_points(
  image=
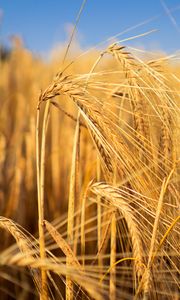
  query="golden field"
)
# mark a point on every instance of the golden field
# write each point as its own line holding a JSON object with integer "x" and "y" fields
{"x": 89, "y": 175}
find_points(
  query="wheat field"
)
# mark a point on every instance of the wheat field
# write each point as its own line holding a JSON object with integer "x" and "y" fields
{"x": 90, "y": 175}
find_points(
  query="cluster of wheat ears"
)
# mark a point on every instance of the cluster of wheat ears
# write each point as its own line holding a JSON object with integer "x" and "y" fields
{"x": 103, "y": 146}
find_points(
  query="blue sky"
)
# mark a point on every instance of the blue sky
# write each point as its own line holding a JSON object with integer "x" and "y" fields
{"x": 43, "y": 24}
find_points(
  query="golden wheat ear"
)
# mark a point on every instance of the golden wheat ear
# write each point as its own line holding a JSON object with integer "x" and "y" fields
{"x": 25, "y": 245}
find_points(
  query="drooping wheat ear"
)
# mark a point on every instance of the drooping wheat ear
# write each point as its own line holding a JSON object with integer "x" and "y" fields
{"x": 162, "y": 92}
{"x": 24, "y": 244}
{"x": 114, "y": 196}
{"x": 63, "y": 245}
{"x": 139, "y": 106}
{"x": 141, "y": 125}
{"x": 136, "y": 95}
{"x": 104, "y": 132}
{"x": 75, "y": 89}
{"x": 165, "y": 145}
{"x": 125, "y": 58}
{"x": 131, "y": 69}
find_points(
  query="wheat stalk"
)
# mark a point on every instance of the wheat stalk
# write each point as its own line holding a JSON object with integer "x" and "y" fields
{"x": 40, "y": 161}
